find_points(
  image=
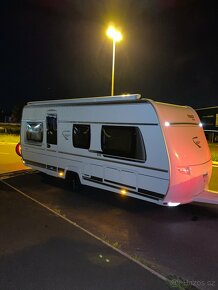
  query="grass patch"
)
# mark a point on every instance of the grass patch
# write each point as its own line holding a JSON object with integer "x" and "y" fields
{"x": 113, "y": 244}
{"x": 9, "y": 138}
{"x": 214, "y": 151}
{"x": 9, "y": 129}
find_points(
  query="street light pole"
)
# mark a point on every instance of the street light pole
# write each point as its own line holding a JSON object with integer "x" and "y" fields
{"x": 113, "y": 68}
{"x": 115, "y": 36}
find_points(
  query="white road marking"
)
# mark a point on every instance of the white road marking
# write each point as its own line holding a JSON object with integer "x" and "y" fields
{"x": 213, "y": 191}
{"x": 160, "y": 276}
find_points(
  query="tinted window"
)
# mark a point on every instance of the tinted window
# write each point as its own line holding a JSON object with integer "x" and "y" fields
{"x": 51, "y": 122}
{"x": 124, "y": 142}
{"x": 34, "y": 131}
{"x": 81, "y": 136}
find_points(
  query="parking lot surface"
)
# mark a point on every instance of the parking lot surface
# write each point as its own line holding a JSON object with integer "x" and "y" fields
{"x": 41, "y": 250}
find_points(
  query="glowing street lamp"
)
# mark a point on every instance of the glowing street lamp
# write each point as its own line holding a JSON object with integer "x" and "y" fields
{"x": 116, "y": 36}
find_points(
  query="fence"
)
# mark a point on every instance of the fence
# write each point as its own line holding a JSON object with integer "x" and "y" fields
{"x": 211, "y": 135}
{"x": 10, "y": 128}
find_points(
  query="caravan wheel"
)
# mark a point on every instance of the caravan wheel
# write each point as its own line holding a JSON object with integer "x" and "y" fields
{"x": 73, "y": 181}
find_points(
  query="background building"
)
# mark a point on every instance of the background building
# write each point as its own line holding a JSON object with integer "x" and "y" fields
{"x": 209, "y": 119}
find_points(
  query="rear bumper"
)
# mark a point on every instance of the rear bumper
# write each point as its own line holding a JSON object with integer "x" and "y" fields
{"x": 185, "y": 188}
{"x": 210, "y": 197}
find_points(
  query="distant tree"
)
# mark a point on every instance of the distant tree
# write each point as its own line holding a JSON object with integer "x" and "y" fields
{"x": 1, "y": 115}
{"x": 17, "y": 113}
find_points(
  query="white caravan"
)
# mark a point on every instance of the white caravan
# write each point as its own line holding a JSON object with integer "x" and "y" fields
{"x": 126, "y": 144}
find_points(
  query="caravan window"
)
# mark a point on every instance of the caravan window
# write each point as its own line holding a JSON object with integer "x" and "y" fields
{"x": 123, "y": 142}
{"x": 51, "y": 122}
{"x": 34, "y": 131}
{"x": 81, "y": 136}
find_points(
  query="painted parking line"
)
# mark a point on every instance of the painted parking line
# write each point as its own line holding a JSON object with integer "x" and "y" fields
{"x": 158, "y": 275}
{"x": 212, "y": 191}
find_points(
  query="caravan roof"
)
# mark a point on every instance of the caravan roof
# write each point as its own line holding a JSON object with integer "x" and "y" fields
{"x": 130, "y": 98}
{"x": 91, "y": 100}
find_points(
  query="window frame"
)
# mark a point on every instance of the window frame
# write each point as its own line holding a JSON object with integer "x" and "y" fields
{"x": 86, "y": 147}
{"x": 28, "y": 139}
{"x": 139, "y": 137}
{"x": 51, "y": 129}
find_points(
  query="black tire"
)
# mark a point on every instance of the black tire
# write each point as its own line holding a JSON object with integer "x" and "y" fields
{"x": 73, "y": 181}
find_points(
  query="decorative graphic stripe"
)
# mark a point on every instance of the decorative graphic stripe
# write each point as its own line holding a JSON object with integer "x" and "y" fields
{"x": 151, "y": 193}
{"x": 52, "y": 168}
{"x": 141, "y": 192}
{"x": 97, "y": 178}
{"x": 41, "y": 165}
{"x": 121, "y": 184}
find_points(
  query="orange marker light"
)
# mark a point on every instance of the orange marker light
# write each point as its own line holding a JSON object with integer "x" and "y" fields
{"x": 61, "y": 173}
{"x": 123, "y": 191}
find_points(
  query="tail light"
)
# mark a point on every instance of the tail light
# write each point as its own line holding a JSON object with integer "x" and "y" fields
{"x": 18, "y": 149}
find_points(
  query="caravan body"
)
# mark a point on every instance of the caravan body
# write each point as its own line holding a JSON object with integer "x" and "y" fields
{"x": 126, "y": 144}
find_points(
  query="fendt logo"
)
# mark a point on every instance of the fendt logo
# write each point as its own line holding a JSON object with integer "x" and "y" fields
{"x": 196, "y": 141}
{"x": 191, "y": 117}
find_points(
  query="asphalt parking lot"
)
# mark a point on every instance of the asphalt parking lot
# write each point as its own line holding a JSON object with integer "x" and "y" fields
{"x": 159, "y": 240}
{"x": 41, "y": 250}
{"x": 179, "y": 244}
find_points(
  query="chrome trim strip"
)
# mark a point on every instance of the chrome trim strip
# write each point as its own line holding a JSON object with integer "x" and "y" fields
{"x": 107, "y": 123}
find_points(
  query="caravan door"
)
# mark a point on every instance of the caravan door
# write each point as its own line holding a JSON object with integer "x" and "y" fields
{"x": 51, "y": 139}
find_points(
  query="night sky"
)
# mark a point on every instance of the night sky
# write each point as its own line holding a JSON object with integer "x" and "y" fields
{"x": 54, "y": 49}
